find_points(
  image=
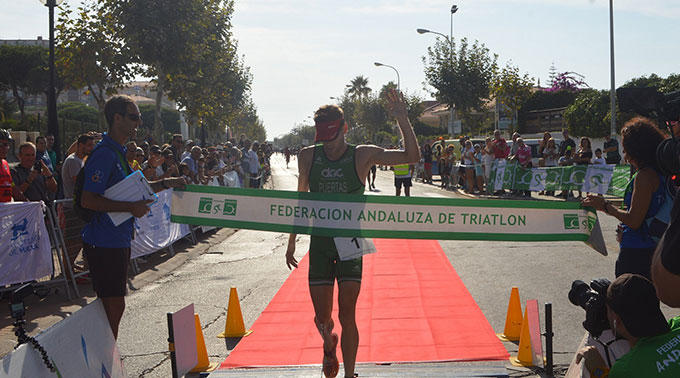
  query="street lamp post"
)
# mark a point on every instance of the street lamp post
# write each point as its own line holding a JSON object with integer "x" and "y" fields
{"x": 612, "y": 93}
{"x": 452, "y": 110}
{"x": 52, "y": 125}
{"x": 378, "y": 64}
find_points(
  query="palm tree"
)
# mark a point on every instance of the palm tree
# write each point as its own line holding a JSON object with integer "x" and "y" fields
{"x": 358, "y": 87}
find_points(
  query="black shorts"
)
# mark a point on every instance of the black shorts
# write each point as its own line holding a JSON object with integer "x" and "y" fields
{"x": 108, "y": 269}
{"x": 374, "y": 169}
{"x": 405, "y": 181}
{"x": 254, "y": 182}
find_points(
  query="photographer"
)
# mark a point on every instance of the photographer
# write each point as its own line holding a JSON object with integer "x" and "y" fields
{"x": 643, "y": 198}
{"x": 634, "y": 314}
{"x": 666, "y": 261}
{"x": 33, "y": 178}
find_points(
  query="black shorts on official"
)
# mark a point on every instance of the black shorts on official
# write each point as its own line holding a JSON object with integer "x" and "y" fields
{"x": 108, "y": 269}
{"x": 405, "y": 181}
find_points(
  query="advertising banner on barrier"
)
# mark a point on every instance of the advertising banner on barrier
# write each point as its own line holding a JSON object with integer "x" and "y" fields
{"x": 155, "y": 231}
{"x": 599, "y": 179}
{"x": 81, "y": 345}
{"x": 331, "y": 214}
{"x": 26, "y": 254}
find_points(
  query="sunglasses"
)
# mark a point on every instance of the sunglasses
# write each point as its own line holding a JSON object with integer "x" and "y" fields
{"x": 133, "y": 116}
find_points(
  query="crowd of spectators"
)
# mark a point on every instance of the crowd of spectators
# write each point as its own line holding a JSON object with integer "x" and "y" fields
{"x": 40, "y": 176}
{"x": 472, "y": 172}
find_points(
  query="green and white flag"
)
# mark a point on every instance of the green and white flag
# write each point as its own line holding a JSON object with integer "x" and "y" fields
{"x": 346, "y": 215}
{"x": 600, "y": 179}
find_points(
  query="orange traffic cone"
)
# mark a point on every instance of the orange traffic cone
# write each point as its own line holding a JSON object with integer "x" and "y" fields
{"x": 234, "y": 326}
{"x": 513, "y": 319}
{"x": 524, "y": 353}
{"x": 201, "y": 351}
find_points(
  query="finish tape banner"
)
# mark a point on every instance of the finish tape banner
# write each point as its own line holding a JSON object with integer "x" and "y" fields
{"x": 347, "y": 215}
{"x": 609, "y": 179}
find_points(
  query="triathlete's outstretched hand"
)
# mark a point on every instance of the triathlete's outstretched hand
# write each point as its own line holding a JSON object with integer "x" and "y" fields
{"x": 396, "y": 103}
{"x": 290, "y": 256}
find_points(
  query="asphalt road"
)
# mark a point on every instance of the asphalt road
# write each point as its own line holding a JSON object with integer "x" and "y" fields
{"x": 253, "y": 261}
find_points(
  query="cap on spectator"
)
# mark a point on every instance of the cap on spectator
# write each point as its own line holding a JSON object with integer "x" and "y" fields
{"x": 633, "y": 298}
{"x": 4, "y": 134}
{"x": 326, "y": 131}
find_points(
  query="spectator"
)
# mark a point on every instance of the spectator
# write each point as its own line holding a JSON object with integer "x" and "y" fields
{"x": 245, "y": 160}
{"x": 567, "y": 159}
{"x": 33, "y": 178}
{"x": 550, "y": 156}
{"x": 611, "y": 148}
{"x": 107, "y": 247}
{"x": 8, "y": 190}
{"x": 487, "y": 161}
{"x": 402, "y": 177}
{"x": 634, "y": 314}
{"x": 192, "y": 162}
{"x": 468, "y": 158}
{"x": 500, "y": 146}
{"x": 543, "y": 143}
{"x": 74, "y": 163}
{"x": 584, "y": 155}
{"x": 427, "y": 163}
{"x": 151, "y": 168}
{"x": 177, "y": 147}
{"x": 41, "y": 152}
{"x": 523, "y": 155}
{"x": 513, "y": 149}
{"x": 187, "y": 149}
{"x": 49, "y": 138}
{"x": 145, "y": 148}
{"x": 479, "y": 170}
{"x": 567, "y": 142}
{"x": 598, "y": 159}
{"x": 169, "y": 167}
{"x": 254, "y": 166}
{"x": 643, "y": 198}
{"x": 131, "y": 155}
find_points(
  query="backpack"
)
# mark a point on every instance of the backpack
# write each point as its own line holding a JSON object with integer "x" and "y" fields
{"x": 85, "y": 214}
{"x": 656, "y": 225}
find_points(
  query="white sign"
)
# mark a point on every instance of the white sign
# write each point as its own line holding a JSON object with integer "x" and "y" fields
{"x": 81, "y": 345}
{"x": 154, "y": 231}
{"x": 26, "y": 254}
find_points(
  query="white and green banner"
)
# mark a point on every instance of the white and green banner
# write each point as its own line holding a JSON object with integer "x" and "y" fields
{"x": 610, "y": 179}
{"x": 345, "y": 215}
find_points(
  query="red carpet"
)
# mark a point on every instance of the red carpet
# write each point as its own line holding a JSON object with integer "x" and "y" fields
{"x": 413, "y": 307}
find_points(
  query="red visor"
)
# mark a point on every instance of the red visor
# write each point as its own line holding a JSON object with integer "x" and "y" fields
{"x": 326, "y": 131}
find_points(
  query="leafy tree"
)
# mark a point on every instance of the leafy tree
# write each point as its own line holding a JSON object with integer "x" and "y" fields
{"x": 23, "y": 69}
{"x": 247, "y": 122}
{"x": 358, "y": 87}
{"x": 91, "y": 54}
{"x": 78, "y": 111}
{"x": 589, "y": 115}
{"x": 460, "y": 77}
{"x": 512, "y": 89}
{"x": 545, "y": 100}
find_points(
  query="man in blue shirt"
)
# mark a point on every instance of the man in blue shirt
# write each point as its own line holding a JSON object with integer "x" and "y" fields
{"x": 107, "y": 247}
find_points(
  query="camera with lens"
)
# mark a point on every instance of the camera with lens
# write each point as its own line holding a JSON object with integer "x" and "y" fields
{"x": 649, "y": 102}
{"x": 17, "y": 309}
{"x": 592, "y": 299}
{"x": 38, "y": 166}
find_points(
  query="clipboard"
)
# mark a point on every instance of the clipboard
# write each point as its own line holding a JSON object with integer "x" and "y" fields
{"x": 132, "y": 188}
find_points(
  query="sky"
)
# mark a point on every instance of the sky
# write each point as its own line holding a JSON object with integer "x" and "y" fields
{"x": 303, "y": 52}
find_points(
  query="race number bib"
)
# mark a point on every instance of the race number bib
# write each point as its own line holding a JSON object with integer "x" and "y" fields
{"x": 352, "y": 248}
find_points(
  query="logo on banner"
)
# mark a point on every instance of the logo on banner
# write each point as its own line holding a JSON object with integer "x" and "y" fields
{"x": 206, "y": 206}
{"x": 19, "y": 229}
{"x": 571, "y": 222}
{"x": 229, "y": 207}
{"x": 21, "y": 242}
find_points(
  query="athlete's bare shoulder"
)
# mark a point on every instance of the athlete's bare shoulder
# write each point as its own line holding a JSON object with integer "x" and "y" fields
{"x": 367, "y": 153}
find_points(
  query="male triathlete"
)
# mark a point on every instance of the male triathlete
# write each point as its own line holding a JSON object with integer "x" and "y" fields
{"x": 335, "y": 166}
